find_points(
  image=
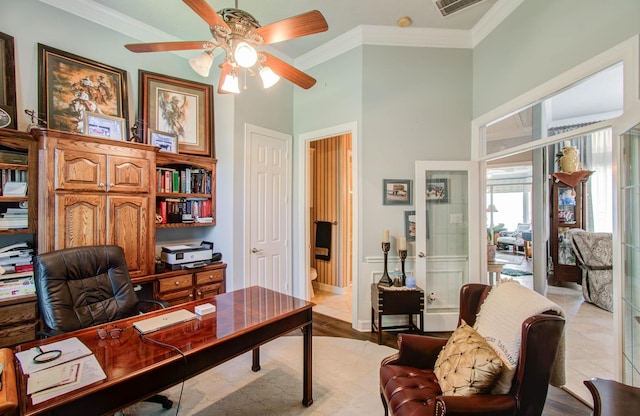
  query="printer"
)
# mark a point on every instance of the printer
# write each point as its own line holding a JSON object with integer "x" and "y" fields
{"x": 187, "y": 256}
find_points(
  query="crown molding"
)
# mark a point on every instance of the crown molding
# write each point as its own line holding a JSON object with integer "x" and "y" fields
{"x": 496, "y": 15}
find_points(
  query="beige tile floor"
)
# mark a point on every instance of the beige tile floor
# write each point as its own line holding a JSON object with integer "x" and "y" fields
{"x": 589, "y": 331}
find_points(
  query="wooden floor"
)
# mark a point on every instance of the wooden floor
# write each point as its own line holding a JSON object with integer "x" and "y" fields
{"x": 559, "y": 403}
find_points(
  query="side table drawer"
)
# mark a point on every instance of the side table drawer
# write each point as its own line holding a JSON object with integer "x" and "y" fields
{"x": 400, "y": 302}
{"x": 171, "y": 284}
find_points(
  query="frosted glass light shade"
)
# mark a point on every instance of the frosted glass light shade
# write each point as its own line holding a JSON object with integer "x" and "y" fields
{"x": 202, "y": 63}
{"x": 245, "y": 55}
{"x": 269, "y": 78}
{"x": 230, "y": 84}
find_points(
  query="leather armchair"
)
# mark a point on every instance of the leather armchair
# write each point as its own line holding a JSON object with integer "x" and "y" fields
{"x": 408, "y": 385}
{"x": 85, "y": 286}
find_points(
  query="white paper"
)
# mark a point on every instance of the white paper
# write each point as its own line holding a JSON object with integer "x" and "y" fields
{"x": 71, "y": 348}
{"x": 89, "y": 372}
{"x": 59, "y": 375}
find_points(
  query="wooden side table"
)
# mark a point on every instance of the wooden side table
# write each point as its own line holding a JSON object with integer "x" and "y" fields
{"x": 611, "y": 398}
{"x": 396, "y": 301}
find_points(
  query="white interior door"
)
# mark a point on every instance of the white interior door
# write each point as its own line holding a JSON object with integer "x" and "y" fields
{"x": 268, "y": 254}
{"x": 447, "y": 236}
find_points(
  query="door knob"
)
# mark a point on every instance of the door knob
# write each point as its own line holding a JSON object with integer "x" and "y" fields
{"x": 421, "y": 254}
{"x": 255, "y": 250}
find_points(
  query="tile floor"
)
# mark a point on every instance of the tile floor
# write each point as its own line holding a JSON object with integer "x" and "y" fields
{"x": 589, "y": 329}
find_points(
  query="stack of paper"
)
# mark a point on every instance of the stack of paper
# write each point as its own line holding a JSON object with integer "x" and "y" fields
{"x": 14, "y": 218}
{"x": 16, "y": 270}
{"x": 76, "y": 367}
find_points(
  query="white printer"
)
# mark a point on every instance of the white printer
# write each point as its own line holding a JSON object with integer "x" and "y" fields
{"x": 186, "y": 256}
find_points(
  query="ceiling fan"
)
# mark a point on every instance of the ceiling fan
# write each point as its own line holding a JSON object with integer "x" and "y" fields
{"x": 239, "y": 34}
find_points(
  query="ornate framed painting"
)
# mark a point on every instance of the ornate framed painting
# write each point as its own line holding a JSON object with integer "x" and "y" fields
{"x": 180, "y": 107}
{"x": 8, "y": 112}
{"x": 70, "y": 85}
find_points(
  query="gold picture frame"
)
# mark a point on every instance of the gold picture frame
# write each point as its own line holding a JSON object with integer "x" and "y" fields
{"x": 181, "y": 107}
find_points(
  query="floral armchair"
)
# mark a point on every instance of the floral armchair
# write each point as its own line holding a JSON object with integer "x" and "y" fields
{"x": 594, "y": 256}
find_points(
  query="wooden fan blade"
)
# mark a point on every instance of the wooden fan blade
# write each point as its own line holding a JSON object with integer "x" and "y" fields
{"x": 289, "y": 72}
{"x": 169, "y": 46}
{"x": 293, "y": 27}
{"x": 226, "y": 68}
{"x": 202, "y": 9}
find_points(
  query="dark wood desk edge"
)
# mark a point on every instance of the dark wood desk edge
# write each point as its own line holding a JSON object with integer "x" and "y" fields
{"x": 108, "y": 397}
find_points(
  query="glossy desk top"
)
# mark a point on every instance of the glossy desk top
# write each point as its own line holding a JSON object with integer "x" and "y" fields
{"x": 237, "y": 313}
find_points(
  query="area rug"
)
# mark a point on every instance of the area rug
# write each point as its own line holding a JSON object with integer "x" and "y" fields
{"x": 515, "y": 272}
{"x": 345, "y": 382}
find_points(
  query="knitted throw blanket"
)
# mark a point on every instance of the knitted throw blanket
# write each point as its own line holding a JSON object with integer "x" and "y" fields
{"x": 500, "y": 323}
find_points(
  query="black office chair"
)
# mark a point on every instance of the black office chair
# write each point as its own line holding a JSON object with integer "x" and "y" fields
{"x": 86, "y": 286}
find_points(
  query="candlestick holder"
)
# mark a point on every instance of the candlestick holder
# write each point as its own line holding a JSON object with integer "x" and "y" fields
{"x": 403, "y": 257}
{"x": 385, "y": 280}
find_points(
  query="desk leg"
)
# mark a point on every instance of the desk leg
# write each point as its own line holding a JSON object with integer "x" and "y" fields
{"x": 307, "y": 396}
{"x": 255, "y": 366}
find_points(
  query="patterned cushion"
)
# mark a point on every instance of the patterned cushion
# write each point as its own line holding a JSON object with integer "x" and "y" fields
{"x": 467, "y": 365}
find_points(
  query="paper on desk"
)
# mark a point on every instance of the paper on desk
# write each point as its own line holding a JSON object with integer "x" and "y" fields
{"x": 89, "y": 371}
{"x": 59, "y": 375}
{"x": 71, "y": 348}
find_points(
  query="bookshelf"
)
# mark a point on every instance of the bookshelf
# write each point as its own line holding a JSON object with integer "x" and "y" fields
{"x": 18, "y": 229}
{"x": 185, "y": 190}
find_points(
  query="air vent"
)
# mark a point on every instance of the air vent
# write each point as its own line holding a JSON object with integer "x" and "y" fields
{"x": 448, "y": 7}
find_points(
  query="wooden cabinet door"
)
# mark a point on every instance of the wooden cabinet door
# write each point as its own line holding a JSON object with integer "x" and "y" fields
{"x": 80, "y": 220}
{"x": 128, "y": 174}
{"x": 129, "y": 228}
{"x": 79, "y": 171}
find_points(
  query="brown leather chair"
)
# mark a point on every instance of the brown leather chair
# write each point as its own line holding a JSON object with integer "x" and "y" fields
{"x": 86, "y": 286}
{"x": 408, "y": 385}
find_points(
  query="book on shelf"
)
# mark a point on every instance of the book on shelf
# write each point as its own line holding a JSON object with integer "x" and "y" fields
{"x": 13, "y": 157}
{"x": 17, "y": 284}
{"x": 14, "y": 189}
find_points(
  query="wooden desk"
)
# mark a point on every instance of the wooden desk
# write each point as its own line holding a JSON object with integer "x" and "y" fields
{"x": 137, "y": 369}
{"x": 396, "y": 301}
{"x": 611, "y": 398}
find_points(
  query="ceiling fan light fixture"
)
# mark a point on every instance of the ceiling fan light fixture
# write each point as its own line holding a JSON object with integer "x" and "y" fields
{"x": 230, "y": 84}
{"x": 269, "y": 78}
{"x": 201, "y": 64}
{"x": 245, "y": 55}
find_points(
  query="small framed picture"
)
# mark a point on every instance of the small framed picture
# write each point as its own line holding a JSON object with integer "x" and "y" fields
{"x": 396, "y": 191}
{"x": 437, "y": 190}
{"x": 101, "y": 125}
{"x": 167, "y": 142}
{"x": 410, "y": 225}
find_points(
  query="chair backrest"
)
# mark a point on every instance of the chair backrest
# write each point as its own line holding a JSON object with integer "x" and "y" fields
{"x": 540, "y": 339}
{"x": 83, "y": 286}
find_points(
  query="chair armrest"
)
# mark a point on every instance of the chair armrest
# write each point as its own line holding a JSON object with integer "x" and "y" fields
{"x": 163, "y": 304}
{"x": 418, "y": 351}
{"x": 482, "y": 404}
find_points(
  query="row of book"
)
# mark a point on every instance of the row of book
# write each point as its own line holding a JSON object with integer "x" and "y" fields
{"x": 14, "y": 218}
{"x": 16, "y": 271}
{"x": 184, "y": 210}
{"x": 186, "y": 181}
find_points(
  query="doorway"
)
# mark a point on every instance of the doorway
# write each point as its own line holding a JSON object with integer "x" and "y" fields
{"x": 330, "y": 224}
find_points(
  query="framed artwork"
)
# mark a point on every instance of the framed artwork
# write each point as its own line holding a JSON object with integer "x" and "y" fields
{"x": 181, "y": 107}
{"x": 396, "y": 191}
{"x": 70, "y": 85}
{"x": 167, "y": 142}
{"x": 100, "y": 125}
{"x": 410, "y": 225}
{"x": 437, "y": 190}
{"x": 8, "y": 112}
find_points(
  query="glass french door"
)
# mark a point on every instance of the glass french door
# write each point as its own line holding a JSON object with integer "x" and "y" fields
{"x": 448, "y": 240}
{"x": 630, "y": 253}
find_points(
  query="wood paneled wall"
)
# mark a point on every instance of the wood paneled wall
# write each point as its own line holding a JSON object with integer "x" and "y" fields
{"x": 331, "y": 201}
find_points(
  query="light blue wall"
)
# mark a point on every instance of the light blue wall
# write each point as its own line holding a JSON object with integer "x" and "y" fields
{"x": 542, "y": 39}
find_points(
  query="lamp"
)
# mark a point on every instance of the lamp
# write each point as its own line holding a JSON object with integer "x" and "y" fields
{"x": 491, "y": 209}
{"x": 245, "y": 55}
{"x": 230, "y": 83}
{"x": 269, "y": 78}
{"x": 202, "y": 63}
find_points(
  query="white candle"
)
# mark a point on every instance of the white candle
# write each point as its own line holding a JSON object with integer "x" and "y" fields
{"x": 385, "y": 236}
{"x": 402, "y": 243}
